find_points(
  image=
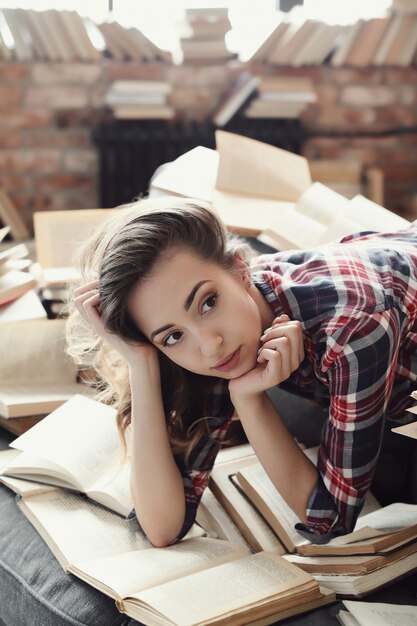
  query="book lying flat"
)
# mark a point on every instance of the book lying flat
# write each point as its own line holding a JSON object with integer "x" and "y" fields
{"x": 27, "y": 307}
{"x": 197, "y": 581}
{"x": 321, "y": 215}
{"x": 76, "y": 446}
{"x": 37, "y": 375}
{"x": 381, "y": 613}
{"x": 14, "y": 284}
{"x": 352, "y": 586}
{"x": 380, "y": 531}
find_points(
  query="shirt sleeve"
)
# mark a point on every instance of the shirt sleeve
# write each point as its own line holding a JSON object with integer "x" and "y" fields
{"x": 358, "y": 365}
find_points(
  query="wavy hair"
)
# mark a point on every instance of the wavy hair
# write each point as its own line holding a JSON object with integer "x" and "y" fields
{"x": 123, "y": 251}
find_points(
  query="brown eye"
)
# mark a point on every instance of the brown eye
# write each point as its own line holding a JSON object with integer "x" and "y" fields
{"x": 210, "y": 303}
{"x": 172, "y": 339}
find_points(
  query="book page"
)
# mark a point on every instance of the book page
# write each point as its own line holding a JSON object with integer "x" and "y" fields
{"x": 371, "y": 216}
{"x": 228, "y": 589}
{"x": 371, "y": 613}
{"x": 250, "y": 523}
{"x": 59, "y": 234}
{"x": 158, "y": 565}
{"x": 249, "y": 215}
{"x": 113, "y": 488}
{"x": 215, "y": 520}
{"x": 321, "y": 203}
{"x": 19, "y": 400}
{"x": 408, "y": 430}
{"x": 192, "y": 175}
{"x": 80, "y": 436}
{"x": 76, "y": 529}
{"x": 273, "y": 504}
{"x": 33, "y": 352}
{"x": 27, "y": 307}
{"x": 251, "y": 167}
{"x": 293, "y": 230}
{"x": 390, "y": 518}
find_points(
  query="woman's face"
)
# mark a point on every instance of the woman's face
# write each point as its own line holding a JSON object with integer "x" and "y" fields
{"x": 202, "y": 317}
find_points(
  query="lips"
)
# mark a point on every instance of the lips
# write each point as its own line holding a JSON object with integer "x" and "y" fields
{"x": 229, "y": 362}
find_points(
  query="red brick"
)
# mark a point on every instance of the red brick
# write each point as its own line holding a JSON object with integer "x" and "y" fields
{"x": 326, "y": 94}
{"x": 10, "y": 96}
{"x": 29, "y": 160}
{"x": 396, "y": 117}
{"x": 366, "y": 96}
{"x": 190, "y": 76}
{"x": 404, "y": 75}
{"x": 87, "y": 118}
{"x": 64, "y": 73}
{"x": 316, "y": 73}
{"x": 193, "y": 99}
{"x": 133, "y": 71}
{"x": 12, "y": 181}
{"x": 23, "y": 118}
{"x": 14, "y": 71}
{"x": 58, "y": 138}
{"x": 11, "y": 138}
{"x": 351, "y": 76}
{"x": 61, "y": 181}
{"x": 81, "y": 161}
{"x": 57, "y": 97}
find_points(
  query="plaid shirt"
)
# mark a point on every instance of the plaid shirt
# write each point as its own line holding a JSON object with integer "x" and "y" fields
{"x": 357, "y": 302}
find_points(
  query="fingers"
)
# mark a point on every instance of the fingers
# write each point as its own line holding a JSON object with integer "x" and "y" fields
{"x": 87, "y": 302}
{"x": 284, "y": 336}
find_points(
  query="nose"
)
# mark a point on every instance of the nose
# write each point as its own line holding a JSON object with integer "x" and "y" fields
{"x": 210, "y": 340}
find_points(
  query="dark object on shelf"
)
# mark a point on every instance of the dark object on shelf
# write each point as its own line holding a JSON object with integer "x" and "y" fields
{"x": 131, "y": 151}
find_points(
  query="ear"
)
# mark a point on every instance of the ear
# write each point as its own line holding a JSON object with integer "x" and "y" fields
{"x": 241, "y": 269}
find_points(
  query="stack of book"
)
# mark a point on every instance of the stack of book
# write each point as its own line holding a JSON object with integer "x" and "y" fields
{"x": 297, "y": 43}
{"x": 130, "y": 44}
{"x": 37, "y": 375}
{"x": 18, "y": 298}
{"x": 242, "y": 91}
{"x": 58, "y": 237}
{"x": 52, "y": 35}
{"x": 205, "y": 41}
{"x": 381, "y": 549}
{"x": 380, "y": 41}
{"x": 281, "y": 97}
{"x": 140, "y": 99}
{"x": 200, "y": 580}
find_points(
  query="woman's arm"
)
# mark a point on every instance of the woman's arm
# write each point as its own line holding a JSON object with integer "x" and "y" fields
{"x": 157, "y": 487}
{"x": 156, "y": 482}
{"x": 292, "y": 473}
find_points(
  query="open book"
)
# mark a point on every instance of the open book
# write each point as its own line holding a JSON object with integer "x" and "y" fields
{"x": 381, "y": 613}
{"x": 58, "y": 236}
{"x": 77, "y": 446}
{"x": 36, "y": 374}
{"x": 197, "y": 581}
{"x": 379, "y": 531}
{"x": 255, "y": 530}
{"x": 259, "y": 189}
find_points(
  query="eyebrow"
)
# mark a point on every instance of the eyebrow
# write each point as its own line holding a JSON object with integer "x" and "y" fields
{"x": 187, "y": 305}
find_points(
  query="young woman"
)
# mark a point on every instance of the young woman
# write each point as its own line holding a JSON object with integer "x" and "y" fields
{"x": 187, "y": 329}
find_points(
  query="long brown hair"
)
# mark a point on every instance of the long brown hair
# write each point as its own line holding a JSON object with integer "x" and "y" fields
{"x": 122, "y": 252}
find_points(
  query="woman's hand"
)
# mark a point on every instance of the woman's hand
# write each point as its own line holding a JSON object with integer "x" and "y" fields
{"x": 280, "y": 354}
{"x": 87, "y": 302}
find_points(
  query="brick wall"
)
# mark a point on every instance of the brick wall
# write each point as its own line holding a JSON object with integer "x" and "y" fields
{"x": 47, "y": 112}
